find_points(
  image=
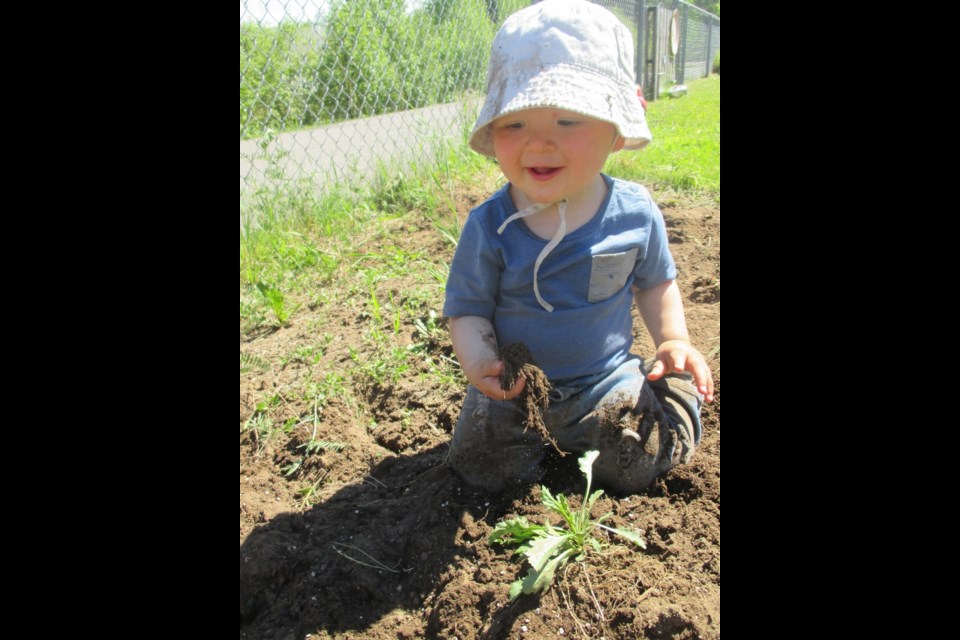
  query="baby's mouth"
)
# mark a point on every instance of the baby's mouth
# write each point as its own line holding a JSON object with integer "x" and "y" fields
{"x": 543, "y": 173}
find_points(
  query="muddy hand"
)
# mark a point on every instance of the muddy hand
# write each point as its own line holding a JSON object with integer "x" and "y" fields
{"x": 488, "y": 382}
{"x": 674, "y": 356}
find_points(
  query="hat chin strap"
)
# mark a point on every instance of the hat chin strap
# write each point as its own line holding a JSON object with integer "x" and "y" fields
{"x": 557, "y": 237}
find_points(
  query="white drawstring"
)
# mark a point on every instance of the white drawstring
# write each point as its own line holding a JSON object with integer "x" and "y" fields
{"x": 557, "y": 237}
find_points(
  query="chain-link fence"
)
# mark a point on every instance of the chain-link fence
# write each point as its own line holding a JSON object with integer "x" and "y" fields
{"x": 334, "y": 89}
{"x": 698, "y": 40}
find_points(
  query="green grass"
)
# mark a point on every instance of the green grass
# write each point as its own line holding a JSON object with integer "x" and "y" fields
{"x": 685, "y": 153}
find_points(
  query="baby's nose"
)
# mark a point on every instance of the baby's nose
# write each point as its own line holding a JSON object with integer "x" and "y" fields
{"x": 539, "y": 141}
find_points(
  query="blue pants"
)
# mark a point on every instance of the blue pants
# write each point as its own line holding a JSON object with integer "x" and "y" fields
{"x": 641, "y": 429}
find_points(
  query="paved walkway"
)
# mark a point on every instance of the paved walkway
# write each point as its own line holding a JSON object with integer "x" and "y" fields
{"x": 352, "y": 151}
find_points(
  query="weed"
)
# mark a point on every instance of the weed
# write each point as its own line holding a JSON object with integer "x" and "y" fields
{"x": 429, "y": 328}
{"x": 437, "y": 272}
{"x": 262, "y": 428}
{"x": 309, "y": 494}
{"x": 322, "y": 445}
{"x": 277, "y": 303}
{"x": 248, "y": 360}
{"x": 292, "y": 468}
{"x": 307, "y": 354}
{"x": 252, "y": 315}
{"x": 549, "y": 548}
{"x": 311, "y": 447}
{"x": 401, "y": 194}
{"x": 375, "y": 305}
{"x": 397, "y": 313}
{"x": 369, "y": 561}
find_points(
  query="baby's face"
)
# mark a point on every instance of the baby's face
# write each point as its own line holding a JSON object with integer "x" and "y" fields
{"x": 550, "y": 154}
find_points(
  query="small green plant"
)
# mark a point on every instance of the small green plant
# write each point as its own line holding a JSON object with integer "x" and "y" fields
{"x": 429, "y": 328}
{"x": 252, "y": 315}
{"x": 313, "y": 446}
{"x": 310, "y": 494}
{"x": 549, "y": 548}
{"x": 250, "y": 360}
{"x": 367, "y": 560}
{"x": 261, "y": 428}
{"x": 274, "y": 296}
{"x": 375, "y": 306}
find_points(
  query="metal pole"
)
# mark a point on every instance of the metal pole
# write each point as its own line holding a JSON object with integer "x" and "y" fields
{"x": 640, "y": 9}
{"x": 654, "y": 26}
{"x": 683, "y": 45}
{"x": 709, "y": 44}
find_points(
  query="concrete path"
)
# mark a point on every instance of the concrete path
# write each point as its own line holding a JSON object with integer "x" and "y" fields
{"x": 351, "y": 152}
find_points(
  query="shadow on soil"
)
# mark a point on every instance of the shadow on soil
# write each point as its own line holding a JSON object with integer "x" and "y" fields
{"x": 413, "y": 518}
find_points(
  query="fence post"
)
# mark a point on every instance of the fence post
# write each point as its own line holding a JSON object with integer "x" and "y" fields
{"x": 640, "y": 8}
{"x": 706, "y": 73}
{"x": 683, "y": 45}
{"x": 653, "y": 46}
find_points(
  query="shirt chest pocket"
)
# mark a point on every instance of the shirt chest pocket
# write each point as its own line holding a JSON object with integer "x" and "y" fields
{"x": 609, "y": 272}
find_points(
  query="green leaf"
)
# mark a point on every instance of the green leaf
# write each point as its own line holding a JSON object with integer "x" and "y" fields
{"x": 516, "y": 589}
{"x": 547, "y": 498}
{"x": 593, "y": 498}
{"x": 632, "y": 536}
{"x": 541, "y": 580}
{"x": 557, "y": 504}
{"x": 513, "y": 531}
{"x": 586, "y": 465}
{"x": 541, "y": 550}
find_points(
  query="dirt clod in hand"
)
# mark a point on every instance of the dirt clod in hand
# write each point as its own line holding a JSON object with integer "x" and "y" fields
{"x": 518, "y": 361}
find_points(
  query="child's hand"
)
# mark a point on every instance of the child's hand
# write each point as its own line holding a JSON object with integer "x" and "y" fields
{"x": 475, "y": 344}
{"x": 486, "y": 378}
{"x": 678, "y": 355}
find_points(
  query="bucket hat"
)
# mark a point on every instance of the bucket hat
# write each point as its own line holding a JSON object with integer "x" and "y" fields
{"x": 567, "y": 54}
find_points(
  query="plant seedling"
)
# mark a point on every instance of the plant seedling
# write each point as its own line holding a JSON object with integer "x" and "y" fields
{"x": 274, "y": 296}
{"x": 549, "y": 548}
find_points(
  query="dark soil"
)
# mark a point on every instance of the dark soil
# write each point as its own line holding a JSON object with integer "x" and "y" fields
{"x": 519, "y": 362}
{"x": 376, "y": 538}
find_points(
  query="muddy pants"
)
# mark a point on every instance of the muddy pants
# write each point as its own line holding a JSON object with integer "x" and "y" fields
{"x": 641, "y": 429}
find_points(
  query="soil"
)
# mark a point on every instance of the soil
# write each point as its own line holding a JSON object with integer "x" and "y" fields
{"x": 535, "y": 396}
{"x": 372, "y": 536}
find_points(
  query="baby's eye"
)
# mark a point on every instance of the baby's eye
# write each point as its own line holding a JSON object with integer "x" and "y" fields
{"x": 513, "y": 125}
{"x": 568, "y": 123}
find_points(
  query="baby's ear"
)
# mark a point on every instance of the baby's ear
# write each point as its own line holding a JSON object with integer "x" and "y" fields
{"x": 618, "y": 143}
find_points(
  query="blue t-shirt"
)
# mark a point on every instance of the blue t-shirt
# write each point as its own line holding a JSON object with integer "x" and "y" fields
{"x": 587, "y": 279}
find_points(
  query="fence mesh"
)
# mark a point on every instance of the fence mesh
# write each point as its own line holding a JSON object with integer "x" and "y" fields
{"x": 333, "y": 89}
{"x": 700, "y": 42}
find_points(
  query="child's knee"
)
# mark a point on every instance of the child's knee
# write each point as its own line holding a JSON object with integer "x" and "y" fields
{"x": 632, "y": 457}
{"x": 659, "y": 433}
{"x": 490, "y": 449}
{"x": 681, "y": 402}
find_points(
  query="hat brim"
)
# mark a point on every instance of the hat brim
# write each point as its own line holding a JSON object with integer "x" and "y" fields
{"x": 568, "y": 87}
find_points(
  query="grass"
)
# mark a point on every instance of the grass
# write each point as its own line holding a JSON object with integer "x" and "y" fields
{"x": 685, "y": 153}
